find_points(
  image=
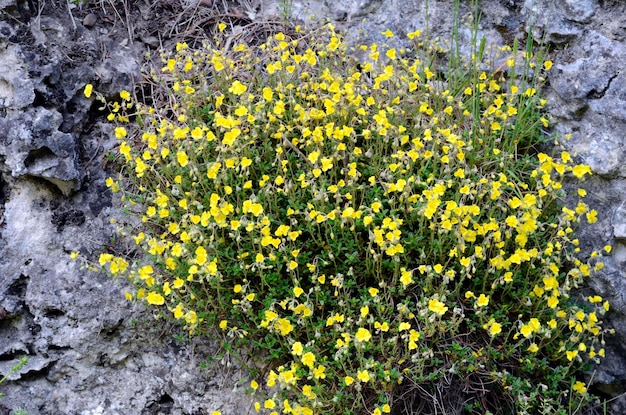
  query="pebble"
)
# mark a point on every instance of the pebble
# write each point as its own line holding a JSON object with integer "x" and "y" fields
{"x": 90, "y": 20}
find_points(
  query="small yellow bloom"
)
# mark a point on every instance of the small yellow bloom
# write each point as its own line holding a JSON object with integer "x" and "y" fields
{"x": 580, "y": 170}
{"x": 155, "y": 298}
{"x": 120, "y": 132}
{"x": 482, "y": 300}
{"x": 308, "y": 359}
{"x": 297, "y": 349}
{"x": 237, "y": 88}
{"x": 88, "y": 90}
{"x": 495, "y": 328}
{"x": 363, "y": 335}
{"x": 571, "y": 354}
{"x": 437, "y": 307}
{"x": 363, "y": 376}
{"x": 579, "y": 387}
{"x": 182, "y": 158}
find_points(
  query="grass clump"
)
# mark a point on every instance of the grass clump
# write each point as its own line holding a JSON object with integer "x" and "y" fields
{"x": 383, "y": 233}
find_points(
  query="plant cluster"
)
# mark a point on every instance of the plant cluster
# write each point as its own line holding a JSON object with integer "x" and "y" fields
{"x": 380, "y": 227}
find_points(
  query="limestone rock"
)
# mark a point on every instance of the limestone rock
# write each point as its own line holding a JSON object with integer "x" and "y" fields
{"x": 34, "y": 146}
{"x": 557, "y": 23}
{"x": 577, "y": 10}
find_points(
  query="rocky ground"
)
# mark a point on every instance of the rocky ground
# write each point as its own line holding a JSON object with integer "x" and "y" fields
{"x": 92, "y": 352}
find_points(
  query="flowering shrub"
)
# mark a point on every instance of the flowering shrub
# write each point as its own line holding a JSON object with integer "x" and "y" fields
{"x": 381, "y": 232}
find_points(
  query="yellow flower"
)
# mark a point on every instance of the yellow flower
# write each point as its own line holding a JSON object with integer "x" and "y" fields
{"x": 284, "y": 326}
{"x": 405, "y": 277}
{"x": 120, "y": 132}
{"x": 318, "y": 373}
{"x": 363, "y": 335}
{"x": 125, "y": 95}
{"x": 155, "y": 298}
{"x": 88, "y": 90}
{"x": 437, "y": 307}
{"x": 237, "y": 88}
{"x": 571, "y": 354}
{"x": 349, "y": 380}
{"x": 415, "y": 34}
{"x": 373, "y": 291}
{"x": 297, "y": 349}
{"x": 363, "y": 375}
{"x": 267, "y": 94}
{"x": 404, "y": 326}
{"x": 178, "y": 311}
{"x": 533, "y": 348}
{"x": 526, "y": 330}
{"x": 482, "y": 300}
{"x": 495, "y": 328}
{"x": 308, "y": 359}
{"x": 579, "y": 387}
{"x": 308, "y": 392}
{"x": 181, "y": 156}
{"x": 245, "y": 162}
{"x": 592, "y": 216}
{"x": 580, "y": 170}
{"x": 201, "y": 255}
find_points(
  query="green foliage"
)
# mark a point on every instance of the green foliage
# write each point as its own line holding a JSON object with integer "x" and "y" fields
{"x": 381, "y": 231}
{"x": 14, "y": 369}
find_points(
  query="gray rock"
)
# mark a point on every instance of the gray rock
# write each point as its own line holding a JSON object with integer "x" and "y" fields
{"x": 612, "y": 100}
{"x": 586, "y": 69}
{"x": 544, "y": 19}
{"x": 90, "y": 20}
{"x": 579, "y": 11}
{"x": 16, "y": 88}
{"x": 33, "y": 145}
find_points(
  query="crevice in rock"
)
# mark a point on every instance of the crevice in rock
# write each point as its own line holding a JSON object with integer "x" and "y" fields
{"x": 18, "y": 287}
{"x": 161, "y": 406}
{"x": 594, "y": 94}
{"x": 4, "y": 191}
{"x": 53, "y": 313}
{"x": 40, "y": 155}
{"x": 69, "y": 217}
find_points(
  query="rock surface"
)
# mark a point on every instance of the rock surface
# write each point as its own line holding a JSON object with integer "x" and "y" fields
{"x": 90, "y": 351}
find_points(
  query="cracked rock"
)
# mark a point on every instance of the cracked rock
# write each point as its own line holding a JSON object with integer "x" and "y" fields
{"x": 34, "y": 146}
